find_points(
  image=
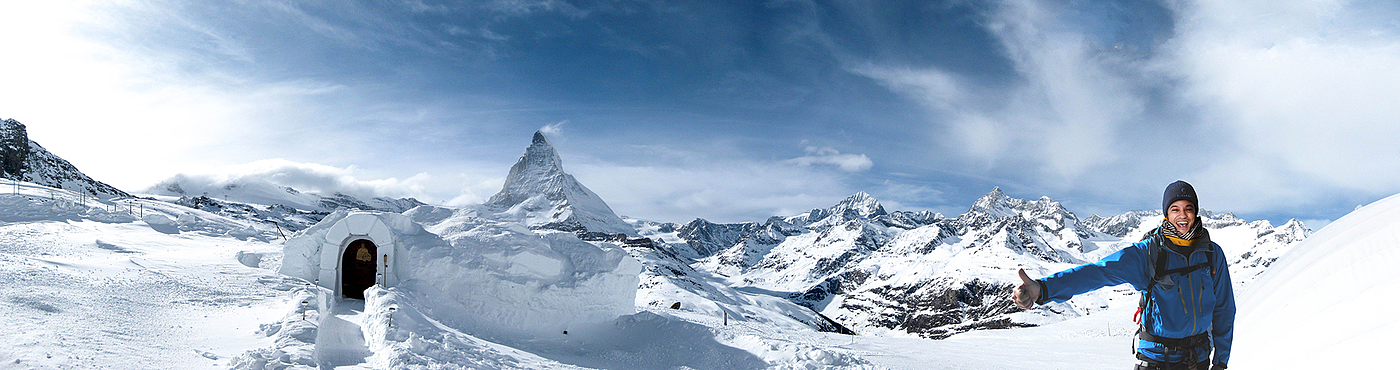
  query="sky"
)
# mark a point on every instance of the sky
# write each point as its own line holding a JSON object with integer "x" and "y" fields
{"x": 731, "y": 110}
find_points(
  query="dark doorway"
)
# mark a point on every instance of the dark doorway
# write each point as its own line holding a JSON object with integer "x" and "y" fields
{"x": 357, "y": 269}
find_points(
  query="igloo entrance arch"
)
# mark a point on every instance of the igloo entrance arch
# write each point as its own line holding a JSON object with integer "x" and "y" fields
{"x": 358, "y": 268}
{"x": 364, "y": 256}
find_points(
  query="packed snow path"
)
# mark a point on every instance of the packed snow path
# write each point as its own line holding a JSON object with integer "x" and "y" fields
{"x": 339, "y": 339}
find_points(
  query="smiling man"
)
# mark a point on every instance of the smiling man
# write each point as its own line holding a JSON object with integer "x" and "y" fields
{"x": 1187, "y": 308}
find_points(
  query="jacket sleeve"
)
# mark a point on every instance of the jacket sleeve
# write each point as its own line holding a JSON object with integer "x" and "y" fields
{"x": 1223, "y": 319}
{"x": 1128, "y": 265}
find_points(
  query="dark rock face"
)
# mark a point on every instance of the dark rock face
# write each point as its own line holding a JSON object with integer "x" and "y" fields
{"x": 14, "y": 146}
{"x": 25, "y": 160}
{"x": 936, "y": 310}
{"x": 708, "y": 238}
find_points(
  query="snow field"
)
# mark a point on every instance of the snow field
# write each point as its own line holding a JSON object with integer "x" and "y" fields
{"x": 112, "y": 293}
{"x": 1325, "y": 302}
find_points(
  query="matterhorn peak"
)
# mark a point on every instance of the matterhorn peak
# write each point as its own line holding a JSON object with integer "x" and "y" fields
{"x": 539, "y": 170}
{"x": 539, "y": 191}
{"x": 542, "y": 155}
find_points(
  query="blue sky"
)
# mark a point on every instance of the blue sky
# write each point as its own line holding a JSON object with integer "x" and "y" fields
{"x": 729, "y": 111}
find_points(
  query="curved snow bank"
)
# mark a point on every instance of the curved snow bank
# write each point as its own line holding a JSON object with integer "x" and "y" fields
{"x": 294, "y": 337}
{"x": 512, "y": 279}
{"x": 402, "y": 336}
{"x": 408, "y": 337}
{"x": 1323, "y": 303}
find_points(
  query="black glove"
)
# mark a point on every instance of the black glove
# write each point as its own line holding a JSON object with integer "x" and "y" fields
{"x": 1218, "y": 367}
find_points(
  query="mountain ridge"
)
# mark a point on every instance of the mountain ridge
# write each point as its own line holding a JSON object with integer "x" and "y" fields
{"x": 26, "y": 160}
{"x": 928, "y": 275}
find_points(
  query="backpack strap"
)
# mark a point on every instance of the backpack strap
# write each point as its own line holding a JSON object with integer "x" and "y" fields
{"x": 1159, "y": 263}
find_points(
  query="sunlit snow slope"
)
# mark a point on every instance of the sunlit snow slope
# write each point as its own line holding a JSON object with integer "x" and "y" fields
{"x": 1328, "y": 301}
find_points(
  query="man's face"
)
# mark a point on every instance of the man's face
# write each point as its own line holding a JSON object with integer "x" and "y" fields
{"x": 1181, "y": 214}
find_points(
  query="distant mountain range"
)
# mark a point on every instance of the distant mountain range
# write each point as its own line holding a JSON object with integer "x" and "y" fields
{"x": 920, "y": 273}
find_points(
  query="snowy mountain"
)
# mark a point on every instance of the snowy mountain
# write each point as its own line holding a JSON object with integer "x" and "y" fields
{"x": 906, "y": 273}
{"x": 260, "y": 200}
{"x": 1123, "y": 225}
{"x": 25, "y": 160}
{"x": 540, "y": 194}
{"x": 263, "y": 192}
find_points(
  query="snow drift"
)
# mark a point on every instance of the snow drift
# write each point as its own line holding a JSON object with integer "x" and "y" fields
{"x": 1323, "y": 304}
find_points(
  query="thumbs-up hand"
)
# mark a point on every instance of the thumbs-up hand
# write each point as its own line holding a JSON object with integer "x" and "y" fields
{"x": 1027, "y": 293}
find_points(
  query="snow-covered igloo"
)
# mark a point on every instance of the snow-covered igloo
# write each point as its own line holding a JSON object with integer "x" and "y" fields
{"x": 467, "y": 271}
{"x": 349, "y": 252}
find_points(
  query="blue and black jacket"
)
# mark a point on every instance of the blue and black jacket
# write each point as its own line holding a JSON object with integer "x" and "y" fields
{"x": 1195, "y": 304}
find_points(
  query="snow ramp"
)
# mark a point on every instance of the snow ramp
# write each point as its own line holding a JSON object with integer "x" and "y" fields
{"x": 1327, "y": 302}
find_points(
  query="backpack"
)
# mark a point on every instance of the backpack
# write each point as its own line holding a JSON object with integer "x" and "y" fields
{"x": 1159, "y": 270}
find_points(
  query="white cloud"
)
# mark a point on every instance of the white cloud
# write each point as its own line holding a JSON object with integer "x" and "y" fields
{"x": 1310, "y": 84}
{"x": 554, "y": 129}
{"x": 1276, "y": 106}
{"x": 1062, "y": 123}
{"x": 307, "y": 177}
{"x": 830, "y": 156}
{"x": 127, "y": 113}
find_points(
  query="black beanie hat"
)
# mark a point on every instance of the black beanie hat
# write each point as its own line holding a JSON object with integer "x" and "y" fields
{"x": 1179, "y": 190}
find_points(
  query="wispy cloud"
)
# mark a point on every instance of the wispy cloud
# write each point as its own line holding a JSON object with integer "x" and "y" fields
{"x": 1306, "y": 90}
{"x": 830, "y": 156}
{"x": 1062, "y": 121}
{"x": 554, "y": 129}
{"x": 305, "y": 177}
{"x": 677, "y": 184}
{"x": 1266, "y": 111}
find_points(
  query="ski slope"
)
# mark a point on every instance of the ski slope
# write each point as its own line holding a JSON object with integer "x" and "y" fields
{"x": 1326, "y": 302}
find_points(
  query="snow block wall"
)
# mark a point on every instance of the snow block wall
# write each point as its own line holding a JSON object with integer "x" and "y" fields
{"x": 512, "y": 278}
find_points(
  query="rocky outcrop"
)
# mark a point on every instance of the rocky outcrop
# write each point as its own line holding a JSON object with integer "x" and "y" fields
{"x": 25, "y": 160}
